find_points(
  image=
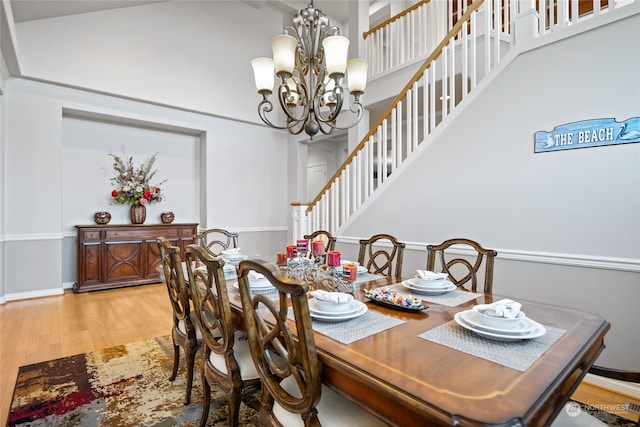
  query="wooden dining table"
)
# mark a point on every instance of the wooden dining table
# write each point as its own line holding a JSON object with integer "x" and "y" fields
{"x": 407, "y": 380}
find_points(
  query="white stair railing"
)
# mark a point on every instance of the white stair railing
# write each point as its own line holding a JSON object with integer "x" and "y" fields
{"x": 475, "y": 42}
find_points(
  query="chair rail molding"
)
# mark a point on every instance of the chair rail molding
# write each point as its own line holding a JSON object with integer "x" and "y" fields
{"x": 572, "y": 260}
{"x": 27, "y": 237}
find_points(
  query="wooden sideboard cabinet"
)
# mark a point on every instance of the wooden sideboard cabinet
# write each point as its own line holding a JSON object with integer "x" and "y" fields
{"x": 113, "y": 256}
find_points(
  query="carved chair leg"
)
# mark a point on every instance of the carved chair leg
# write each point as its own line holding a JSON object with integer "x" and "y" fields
{"x": 233, "y": 400}
{"x": 206, "y": 403}
{"x": 176, "y": 362}
{"x": 191, "y": 360}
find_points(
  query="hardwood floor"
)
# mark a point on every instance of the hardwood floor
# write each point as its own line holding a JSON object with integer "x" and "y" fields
{"x": 48, "y": 328}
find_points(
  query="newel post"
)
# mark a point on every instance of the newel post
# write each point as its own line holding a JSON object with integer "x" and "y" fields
{"x": 526, "y": 21}
{"x": 299, "y": 221}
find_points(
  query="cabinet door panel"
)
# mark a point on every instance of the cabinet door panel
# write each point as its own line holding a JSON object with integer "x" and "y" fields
{"x": 91, "y": 271}
{"x": 123, "y": 261}
{"x": 153, "y": 257}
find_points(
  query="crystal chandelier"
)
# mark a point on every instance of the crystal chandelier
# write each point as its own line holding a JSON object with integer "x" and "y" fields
{"x": 310, "y": 60}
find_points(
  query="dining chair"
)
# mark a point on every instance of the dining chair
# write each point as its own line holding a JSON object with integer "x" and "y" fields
{"x": 459, "y": 269}
{"x": 571, "y": 417}
{"x": 226, "y": 360}
{"x": 185, "y": 332}
{"x": 382, "y": 254}
{"x": 292, "y": 390}
{"x": 325, "y": 236}
{"x": 215, "y": 240}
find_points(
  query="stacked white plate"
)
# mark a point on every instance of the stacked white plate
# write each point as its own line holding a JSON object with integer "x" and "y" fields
{"x": 352, "y": 310}
{"x": 429, "y": 287}
{"x": 233, "y": 259}
{"x": 523, "y": 328}
{"x": 258, "y": 285}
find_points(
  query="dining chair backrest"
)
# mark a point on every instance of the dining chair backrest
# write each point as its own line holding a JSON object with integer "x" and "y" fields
{"x": 225, "y": 364}
{"x": 210, "y": 298}
{"x": 215, "y": 240}
{"x": 282, "y": 358}
{"x": 382, "y": 254}
{"x": 324, "y": 236}
{"x": 185, "y": 333}
{"x": 461, "y": 271}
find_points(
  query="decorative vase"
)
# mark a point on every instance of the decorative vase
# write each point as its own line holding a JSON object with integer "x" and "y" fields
{"x": 138, "y": 214}
{"x": 167, "y": 217}
{"x": 102, "y": 217}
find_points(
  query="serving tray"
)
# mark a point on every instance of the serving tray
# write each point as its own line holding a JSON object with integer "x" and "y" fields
{"x": 392, "y": 299}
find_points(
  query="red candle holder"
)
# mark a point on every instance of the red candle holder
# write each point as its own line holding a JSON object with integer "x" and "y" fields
{"x": 281, "y": 258}
{"x": 317, "y": 247}
{"x": 291, "y": 251}
{"x": 302, "y": 245}
{"x": 349, "y": 272}
{"x": 333, "y": 258}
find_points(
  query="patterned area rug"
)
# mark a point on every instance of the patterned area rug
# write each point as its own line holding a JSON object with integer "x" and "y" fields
{"x": 122, "y": 386}
{"x": 128, "y": 386}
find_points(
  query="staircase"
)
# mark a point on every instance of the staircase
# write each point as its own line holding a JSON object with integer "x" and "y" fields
{"x": 474, "y": 39}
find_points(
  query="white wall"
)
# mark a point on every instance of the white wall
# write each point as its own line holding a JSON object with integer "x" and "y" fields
{"x": 220, "y": 173}
{"x": 566, "y": 224}
{"x": 178, "y": 53}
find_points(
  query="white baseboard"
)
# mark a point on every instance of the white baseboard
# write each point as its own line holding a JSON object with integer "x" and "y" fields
{"x": 34, "y": 294}
{"x": 621, "y": 387}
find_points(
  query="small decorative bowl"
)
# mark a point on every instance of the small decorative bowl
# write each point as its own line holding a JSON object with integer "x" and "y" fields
{"x": 102, "y": 217}
{"x": 167, "y": 217}
{"x": 499, "y": 322}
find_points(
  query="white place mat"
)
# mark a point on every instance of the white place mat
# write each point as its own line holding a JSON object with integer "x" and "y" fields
{"x": 346, "y": 332}
{"x": 519, "y": 355}
{"x": 450, "y": 299}
{"x": 365, "y": 277}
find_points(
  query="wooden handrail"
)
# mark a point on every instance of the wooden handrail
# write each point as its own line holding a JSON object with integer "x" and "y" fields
{"x": 394, "y": 18}
{"x": 437, "y": 51}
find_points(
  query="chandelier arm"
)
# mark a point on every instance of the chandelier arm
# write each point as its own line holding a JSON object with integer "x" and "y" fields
{"x": 266, "y": 107}
{"x": 283, "y": 95}
{"x": 338, "y": 95}
{"x": 356, "y": 107}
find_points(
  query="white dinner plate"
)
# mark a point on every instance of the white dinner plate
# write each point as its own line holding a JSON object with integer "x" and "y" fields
{"x": 537, "y": 332}
{"x": 524, "y": 325}
{"x": 228, "y": 267}
{"x": 432, "y": 285}
{"x": 429, "y": 291}
{"x": 235, "y": 259}
{"x": 353, "y": 308}
{"x": 361, "y": 269}
{"x": 339, "y": 317}
{"x": 257, "y": 286}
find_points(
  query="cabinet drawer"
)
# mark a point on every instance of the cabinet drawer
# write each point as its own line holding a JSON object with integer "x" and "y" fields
{"x": 188, "y": 233}
{"x": 93, "y": 235}
{"x": 141, "y": 234}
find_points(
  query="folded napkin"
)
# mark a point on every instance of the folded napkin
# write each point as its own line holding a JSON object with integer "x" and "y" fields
{"x": 503, "y": 308}
{"x": 431, "y": 275}
{"x": 336, "y": 297}
{"x": 254, "y": 275}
